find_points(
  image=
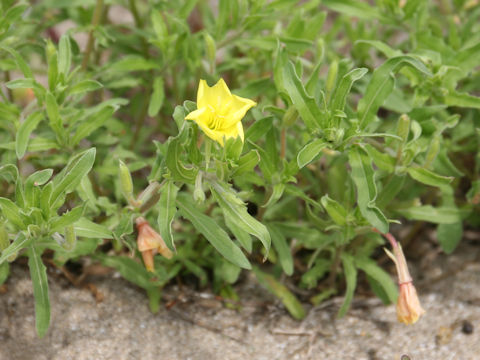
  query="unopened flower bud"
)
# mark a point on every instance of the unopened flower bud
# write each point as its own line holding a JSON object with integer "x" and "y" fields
{"x": 211, "y": 48}
{"x": 331, "y": 77}
{"x": 126, "y": 183}
{"x": 70, "y": 238}
{"x": 403, "y": 127}
{"x": 149, "y": 242}
{"x": 408, "y": 304}
{"x": 433, "y": 150}
{"x": 149, "y": 197}
{"x": 290, "y": 116}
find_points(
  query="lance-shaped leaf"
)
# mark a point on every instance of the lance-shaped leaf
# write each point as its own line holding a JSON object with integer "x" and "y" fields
{"x": 69, "y": 178}
{"x": 11, "y": 212}
{"x": 440, "y": 215}
{"x": 428, "y": 177}
{"x": 363, "y": 177}
{"x": 380, "y": 276}
{"x": 288, "y": 299}
{"x": 381, "y": 85}
{"x": 236, "y": 209}
{"x": 335, "y": 210}
{"x": 24, "y": 131}
{"x": 309, "y": 152}
{"x": 18, "y": 244}
{"x": 350, "y": 272}
{"x": 89, "y": 229}
{"x": 38, "y": 273}
{"x": 212, "y": 232}
{"x": 174, "y": 164}
{"x": 283, "y": 250}
{"x": 166, "y": 212}
{"x": 339, "y": 97}
{"x": 304, "y": 103}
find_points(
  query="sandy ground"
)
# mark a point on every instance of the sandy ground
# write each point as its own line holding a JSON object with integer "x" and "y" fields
{"x": 199, "y": 327}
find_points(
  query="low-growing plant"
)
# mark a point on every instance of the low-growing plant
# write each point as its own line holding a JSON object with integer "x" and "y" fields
{"x": 317, "y": 124}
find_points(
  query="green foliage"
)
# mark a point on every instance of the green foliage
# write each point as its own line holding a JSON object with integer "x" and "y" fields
{"x": 359, "y": 124}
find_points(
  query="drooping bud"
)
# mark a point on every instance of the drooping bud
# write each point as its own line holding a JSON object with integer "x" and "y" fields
{"x": 408, "y": 305}
{"x": 149, "y": 242}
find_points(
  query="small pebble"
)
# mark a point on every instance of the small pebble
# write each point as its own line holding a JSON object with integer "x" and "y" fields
{"x": 467, "y": 327}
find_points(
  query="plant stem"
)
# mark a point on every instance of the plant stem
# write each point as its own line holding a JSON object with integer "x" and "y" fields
{"x": 148, "y": 90}
{"x": 283, "y": 143}
{"x": 97, "y": 15}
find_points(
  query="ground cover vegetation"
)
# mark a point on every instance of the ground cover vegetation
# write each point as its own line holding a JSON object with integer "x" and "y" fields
{"x": 193, "y": 139}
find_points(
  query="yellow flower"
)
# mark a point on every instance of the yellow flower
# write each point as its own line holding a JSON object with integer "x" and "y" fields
{"x": 219, "y": 113}
{"x": 408, "y": 304}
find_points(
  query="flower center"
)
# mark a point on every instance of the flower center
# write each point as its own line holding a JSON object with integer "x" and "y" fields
{"x": 216, "y": 121}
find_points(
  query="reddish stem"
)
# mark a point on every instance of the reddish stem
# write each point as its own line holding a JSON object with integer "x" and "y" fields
{"x": 389, "y": 237}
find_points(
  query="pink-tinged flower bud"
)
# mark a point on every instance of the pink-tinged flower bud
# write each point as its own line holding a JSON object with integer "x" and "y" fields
{"x": 408, "y": 304}
{"x": 149, "y": 242}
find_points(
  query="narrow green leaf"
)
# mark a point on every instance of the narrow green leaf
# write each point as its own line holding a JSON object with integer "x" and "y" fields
{"x": 246, "y": 163}
{"x": 428, "y": 177}
{"x": 240, "y": 234}
{"x": 363, "y": 177}
{"x": 64, "y": 54}
{"x": 280, "y": 244}
{"x": 288, "y": 299}
{"x": 379, "y": 275}
{"x": 131, "y": 63}
{"x": 259, "y": 128}
{"x": 339, "y": 97}
{"x": 89, "y": 229}
{"x": 335, "y": 210}
{"x": 309, "y": 152}
{"x": 454, "y": 98}
{"x": 381, "y": 85}
{"x": 440, "y": 215}
{"x": 22, "y": 65}
{"x": 355, "y": 8}
{"x": 449, "y": 236}
{"x": 350, "y": 272}
{"x": 130, "y": 270}
{"x": 92, "y": 123}
{"x": 68, "y": 218}
{"x": 85, "y": 86}
{"x": 158, "y": 95}
{"x": 231, "y": 204}
{"x": 174, "y": 164}
{"x": 4, "y": 272}
{"x": 68, "y": 179}
{"x": 53, "y": 113}
{"x": 38, "y": 273}
{"x": 18, "y": 244}
{"x": 166, "y": 213}
{"x": 24, "y": 131}
{"x": 212, "y": 232}
{"x": 11, "y": 212}
{"x": 304, "y": 103}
